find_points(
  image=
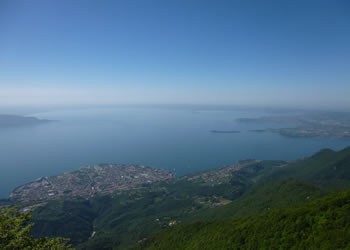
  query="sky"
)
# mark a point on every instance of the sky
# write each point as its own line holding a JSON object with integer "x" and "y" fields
{"x": 284, "y": 53}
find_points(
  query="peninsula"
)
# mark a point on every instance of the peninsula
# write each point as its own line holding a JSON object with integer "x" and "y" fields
{"x": 88, "y": 181}
{"x": 17, "y": 121}
{"x": 321, "y": 124}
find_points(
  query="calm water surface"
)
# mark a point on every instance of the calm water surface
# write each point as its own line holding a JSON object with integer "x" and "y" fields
{"x": 174, "y": 139}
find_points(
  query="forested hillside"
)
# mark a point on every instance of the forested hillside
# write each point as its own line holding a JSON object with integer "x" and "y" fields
{"x": 320, "y": 224}
{"x": 327, "y": 169}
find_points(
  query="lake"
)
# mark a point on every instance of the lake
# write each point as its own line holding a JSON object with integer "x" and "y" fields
{"x": 177, "y": 139}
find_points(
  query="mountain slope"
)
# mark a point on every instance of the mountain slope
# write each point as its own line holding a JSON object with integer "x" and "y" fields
{"x": 320, "y": 224}
{"x": 70, "y": 219}
{"x": 327, "y": 169}
{"x": 264, "y": 197}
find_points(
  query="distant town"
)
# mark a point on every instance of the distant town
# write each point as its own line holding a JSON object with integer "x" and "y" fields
{"x": 88, "y": 181}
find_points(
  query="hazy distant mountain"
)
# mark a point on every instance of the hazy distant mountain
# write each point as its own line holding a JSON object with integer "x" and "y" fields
{"x": 16, "y": 120}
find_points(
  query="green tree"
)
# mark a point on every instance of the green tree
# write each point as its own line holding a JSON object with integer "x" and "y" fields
{"x": 15, "y": 228}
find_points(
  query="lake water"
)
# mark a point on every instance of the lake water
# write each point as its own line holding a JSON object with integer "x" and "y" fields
{"x": 171, "y": 138}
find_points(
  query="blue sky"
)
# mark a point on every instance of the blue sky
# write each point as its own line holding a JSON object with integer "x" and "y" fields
{"x": 184, "y": 51}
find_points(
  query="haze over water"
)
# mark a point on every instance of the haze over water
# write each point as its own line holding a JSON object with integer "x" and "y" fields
{"x": 177, "y": 139}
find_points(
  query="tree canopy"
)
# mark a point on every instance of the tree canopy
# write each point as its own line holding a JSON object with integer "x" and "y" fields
{"x": 15, "y": 228}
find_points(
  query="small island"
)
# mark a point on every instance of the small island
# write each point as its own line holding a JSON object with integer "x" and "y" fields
{"x": 224, "y": 131}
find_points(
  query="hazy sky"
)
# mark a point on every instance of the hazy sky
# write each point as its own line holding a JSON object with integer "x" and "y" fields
{"x": 146, "y": 51}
